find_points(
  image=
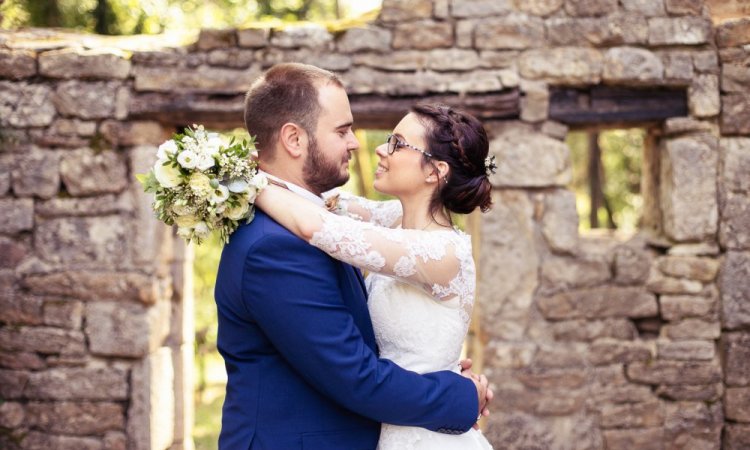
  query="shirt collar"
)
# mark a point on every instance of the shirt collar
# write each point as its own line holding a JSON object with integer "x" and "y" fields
{"x": 299, "y": 190}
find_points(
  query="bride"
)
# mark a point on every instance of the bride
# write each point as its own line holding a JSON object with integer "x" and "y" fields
{"x": 421, "y": 281}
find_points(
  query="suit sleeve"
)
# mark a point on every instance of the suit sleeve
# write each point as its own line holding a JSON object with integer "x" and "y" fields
{"x": 305, "y": 317}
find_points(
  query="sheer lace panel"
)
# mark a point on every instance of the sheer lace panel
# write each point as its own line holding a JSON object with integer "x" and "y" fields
{"x": 384, "y": 213}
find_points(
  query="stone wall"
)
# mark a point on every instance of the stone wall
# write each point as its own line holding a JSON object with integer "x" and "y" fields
{"x": 590, "y": 342}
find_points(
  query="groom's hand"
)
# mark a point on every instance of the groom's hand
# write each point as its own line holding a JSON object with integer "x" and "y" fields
{"x": 484, "y": 393}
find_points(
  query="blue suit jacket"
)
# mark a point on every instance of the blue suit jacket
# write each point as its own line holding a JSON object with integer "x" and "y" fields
{"x": 300, "y": 353}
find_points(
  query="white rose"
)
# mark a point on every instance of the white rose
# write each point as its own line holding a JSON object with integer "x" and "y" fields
{"x": 251, "y": 193}
{"x": 185, "y": 232}
{"x": 220, "y": 194}
{"x": 237, "y": 185}
{"x": 166, "y": 175}
{"x": 167, "y": 148}
{"x": 260, "y": 181}
{"x": 205, "y": 162}
{"x": 187, "y": 159}
{"x": 214, "y": 143}
{"x": 201, "y": 230}
{"x": 200, "y": 184}
{"x": 239, "y": 211}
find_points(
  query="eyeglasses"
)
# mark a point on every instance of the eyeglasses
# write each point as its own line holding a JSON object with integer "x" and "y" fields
{"x": 394, "y": 143}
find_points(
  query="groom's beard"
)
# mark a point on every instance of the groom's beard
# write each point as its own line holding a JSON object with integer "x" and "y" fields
{"x": 322, "y": 174}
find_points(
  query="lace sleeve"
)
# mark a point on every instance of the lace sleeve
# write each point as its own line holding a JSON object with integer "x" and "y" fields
{"x": 384, "y": 213}
{"x": 439, "y": 262}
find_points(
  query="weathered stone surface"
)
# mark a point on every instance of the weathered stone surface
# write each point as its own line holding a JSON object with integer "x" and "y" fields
{"x": 18, "y": 215}
{"x": 120, "y": 133}
{"x": 694, "y": 268}
{"x": 703, "y": 96}
{"x": 203, "y": 79}
{"x": 553, "y": 402}
{"x": 235, "y": 58}
{"x": 12, "y": 383}
{"x": 734, "y": 33}
{"x": 86, "y": 172}
{"x": 78, "y": 63}
{"x": 35, "y": 440}
{"x": 684, "y": 7}
{"x": 452, "y": 60}
{"x": 642, "y": 439}
{"x": 736, "y": 436}
{"x": 555, "y": 129}
{"x": 678, "y": 307}
{"x": 78, "y": 384}
{"x": 632, "y": 65}
{"x": 479, "y": 8}
{"x": 586, "y": 330}
{"x": 151, "y": 412}
{"x": 364, "y": 80}
{"x": 365, "y": 39}
{"x": 210, "y": 39}
{"x": 735, "y": 290}
{"x": 737, "y": 403}
{"x": 6, "y": 163}
{"x": 678, "y": 67}
{"x": 559, "y": 356}
{"x": 253, "y": 37}
{"x": 25, "y": 105}
{"x": 77, "y": 418}
{"x": 73, "y": 127}
{"x": 590, "y": 7}
{"x": 86, "y": 206}
{"x": 661, "y": 284}
{"x": 646, "y": 7}
{"x": 90, "y": 285}
{"x": 87, "y": 100}
{"x": 563, "y": 65}
{"x": 564, "y": 273}
{"x": 12, "y": 414}
{"x": 686, "y": 350}
{"x": 599, "y": 302}
{"x": 308, "y": 35}
{"x": 76, "y": 240}
{"x": 679, "y": 125}
{"x": 13, "y": 251}
{"x": 43, "y": 340}
{"x": 674, "y": 372}
{"x": 678, "y": 30}
{"x": 631, "y": 265}
{"x": 699, "y": 393}
{"x": 400, "y": 60}
{"x": 423, "y": 35}
{"x": 538, "y": 7}
{"x": 20, "y": 309}
{"x": 17, "y": 64}
{"x": 515, "y": 31}
{"x": 636, "y": 415}
{"x": 542, "y": 378}
{"x": 400, "y": 10}
{"x": 529, "y": 160}
{"x": 735, "y": 349}
{"x": 37, "y": 173}
{"x": 734, "y": 229}
{"x": 320, "y": 58}
{"x": 616, "y": 29}
{"x": 693, "y": 425}
{"x": 560, "y": 229}
{"x": 510, "y": 355}
{"x": 610, "y": 351}
{"x": 735, "y": 113}
{"x": 735, "y": 78}
{"x": 477, "y": 81}
{"x": 115, "y": 440}
{"x": 688, "y": 188}
{"x": 126, "y": 330}
{"x": 63, "y": 313}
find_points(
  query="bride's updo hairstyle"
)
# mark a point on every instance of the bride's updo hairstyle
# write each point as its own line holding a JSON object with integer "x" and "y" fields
{"x": 459, "y": 139}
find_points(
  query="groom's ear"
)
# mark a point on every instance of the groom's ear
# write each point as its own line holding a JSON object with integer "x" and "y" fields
{"x": 293, "y": 139}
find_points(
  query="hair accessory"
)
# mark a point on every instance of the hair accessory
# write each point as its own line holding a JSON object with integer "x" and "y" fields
{"x": 489, "y": 165}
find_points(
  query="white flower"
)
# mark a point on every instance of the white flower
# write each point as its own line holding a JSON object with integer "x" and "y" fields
{"x": 186, "y": 221}
{"x": 166, "y": 175}
{"x": 182, "y": 209}
{"x": 185, "y": 232}
{"x": 237, "y": 185}
{"x": 214, "y": 143}
{"x": 205, "y": 162}
{"x": 251, "y": 193}
{"x": 200, "y": 184}
{"x": 167, "y": 148}
{"x": 260, "y": 181}
{"x": 187, "y": 159}
{"x": 201, "y": 230}
{"x": 239, "y": 211}
{"x": 219, "y": 194}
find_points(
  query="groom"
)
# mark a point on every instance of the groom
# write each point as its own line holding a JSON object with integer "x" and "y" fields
{"x": 294, "y": 329}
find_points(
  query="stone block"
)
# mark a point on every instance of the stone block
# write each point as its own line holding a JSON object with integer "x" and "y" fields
{"x": 735, "y": 350}
{"x": 25, "y": 105}
{"x": 308, "y": 35}
{"x": 735, "y": 78}
{"x": 37, "y": 173}
{"x": 20, "y": 309}
{"x": 733, "y": 33}
{"x": 538, "y": 7}
{"x": 599, "y": 303}
{"x": 648, "y": 8}
{"x": 679, "y": 30}
{"x": 564, "y": 273}
{"x": 43, "y": 340}
{"x": 78, "y": 384}
{"x": 535, "y": 105}
{"x": 92, "y": 285}
{"x": 18, "y": 215}
{"x": 617, "y": 29}
{"x": 529, "y": 160}
{"x": 635, "y": 415}
{"x": 631, "y": 65}
{"x": 642, "y": 439}
{"x": 706, "y": 61}
{"x": 73, "y": 127}
{"x": 698, "y": 393}
{"x": 694, "y": 268}
{"x": 693, "y": 425}
{"x": 674, "y": 372}
{"x": 85, "y": 206}
{"x": 423, "y": 35}
{"x": 401, "y": 60}
{"x": 203, "y": 79}
{"x": 115, "y": 440}
{"x": 735, "y": 113}
{"x": 703, "y": 96}
{"x": 14, "y": 251}
{"x": 365, "y": 39}
{"x": 126, "y": 329}
{"x": 76, "y": 418}
{"x": 588, "y": 330}
{"x": 403, "y": 10}
{"x": 86, "y": 172}
{"x": 151, "y": 420}
{"x": 476, "y": 81}
{"x": 253, "y": 37}
{"x": 734, "y": 229}
{"x": 560, "y": 230}
{"x": 210, "y": 39}
{"x": 35, "y": 440}
{"x": 63, "y": 313}
{"x": 737, "y": 404}
{"x": 509, "y": 355}
{"x": 631, "y": 265}
{"x": 562, "y": 65}
{"x": 78, "y": 63}
{"x": 514, "y": 31}
{"x": 684, "y": 7}
{"x": 545, "y": 379}
{"x": 87, "y": 99}
{"x": 678, "y": 307}
{"x": 736, "y": 436}
{"x": 479, "y": 8}
{"x": 322, "y": 58}
{"x": 12, "y": 383}
{"x": 134, "y": 133}
{"x": 686, "y": 350}
{"x": 465, "y": 33}
{"x": 735, "y": 290}
{"x": 17, "y": 64}
{"x": 590, "y": 7}
{"x": 12, "y": 414}
{"x": 236, "y": 58}
{"x": 82, "y": 240}
{"x": 609, "y": 351}
{"x": 21, "y": 361}
{"x": 688, "y": 187}
{"x": 661, "y": 284}
{"x": 678, "y": 67}
{"x": 498, "y": 59}
{"x": 452, "y": 60}
{"x": 551, "y": 356}
{"x": 6, "y": 163}
{"x": 680, "y": 125}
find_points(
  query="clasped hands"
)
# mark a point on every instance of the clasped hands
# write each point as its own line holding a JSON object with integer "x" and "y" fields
{"x": 484, "y": 393}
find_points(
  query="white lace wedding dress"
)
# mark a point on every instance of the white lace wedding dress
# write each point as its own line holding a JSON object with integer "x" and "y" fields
{"x": 420, "y": 295}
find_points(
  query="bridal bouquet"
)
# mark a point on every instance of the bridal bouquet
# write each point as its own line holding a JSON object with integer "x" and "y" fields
{"x": 203, "y": 184}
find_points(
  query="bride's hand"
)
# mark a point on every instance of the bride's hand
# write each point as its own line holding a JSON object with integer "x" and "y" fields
{"x": 480, "y": 382}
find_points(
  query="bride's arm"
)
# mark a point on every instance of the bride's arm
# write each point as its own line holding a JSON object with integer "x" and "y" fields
{"x": 386, "y": 213}
{"x": 427, "y": 259}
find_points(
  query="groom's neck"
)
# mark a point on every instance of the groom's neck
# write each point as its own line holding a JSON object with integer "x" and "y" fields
{"x": 285, "y": 173}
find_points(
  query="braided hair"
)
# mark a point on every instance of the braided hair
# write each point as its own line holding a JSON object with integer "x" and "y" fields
{"x": 459, "y": 139}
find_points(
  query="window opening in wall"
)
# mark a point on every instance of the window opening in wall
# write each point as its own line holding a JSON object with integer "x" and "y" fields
{"x": 607, "y": 173}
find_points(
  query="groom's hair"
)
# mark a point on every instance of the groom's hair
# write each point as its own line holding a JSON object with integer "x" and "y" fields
{"x": 285, "y": 93}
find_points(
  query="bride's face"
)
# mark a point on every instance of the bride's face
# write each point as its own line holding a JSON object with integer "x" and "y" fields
{"x": 403, "y": 172}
